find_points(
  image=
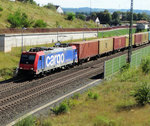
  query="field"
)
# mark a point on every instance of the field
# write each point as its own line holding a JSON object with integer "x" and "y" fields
{"x": 113, "y": 104}
{"x": 115, "y": 33}
{"x": 35, "y": 12}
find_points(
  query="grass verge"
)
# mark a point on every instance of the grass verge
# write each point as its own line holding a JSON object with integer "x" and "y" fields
{"x": 115, "y": 106}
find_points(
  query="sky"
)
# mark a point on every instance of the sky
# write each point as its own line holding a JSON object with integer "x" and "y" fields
{"x": 107, "y": 4}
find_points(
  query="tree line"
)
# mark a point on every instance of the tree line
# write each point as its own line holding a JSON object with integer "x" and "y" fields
{"x": 116, "y": 17}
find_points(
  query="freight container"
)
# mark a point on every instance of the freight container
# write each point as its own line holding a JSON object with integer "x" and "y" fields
{"x": 105, "y": 45}
{"x": 86, "y": 49}
{"x": 144, "y": 37}
{"x": 119, "y": 42}
{"x": 138, "y": 39}
{"x": 149, "y": 36}
{"x": 127, "y": 40}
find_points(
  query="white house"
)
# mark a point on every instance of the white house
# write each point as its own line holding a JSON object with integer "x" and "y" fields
{"x": 142, "y": 24}
{"x": 59, "y": 9}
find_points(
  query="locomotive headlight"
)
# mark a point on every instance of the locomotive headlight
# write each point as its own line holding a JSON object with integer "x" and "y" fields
{"x": 31, "y": 69}
{"x": 20, "y": 67}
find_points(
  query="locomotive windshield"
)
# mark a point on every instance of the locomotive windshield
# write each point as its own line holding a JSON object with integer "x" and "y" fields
{"x": 27, "y": 59}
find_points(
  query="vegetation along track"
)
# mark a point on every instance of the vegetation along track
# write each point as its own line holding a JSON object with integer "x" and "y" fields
{"x": 17, "y": 93}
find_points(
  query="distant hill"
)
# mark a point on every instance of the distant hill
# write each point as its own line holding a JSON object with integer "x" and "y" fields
{"x": 87, "y": 10}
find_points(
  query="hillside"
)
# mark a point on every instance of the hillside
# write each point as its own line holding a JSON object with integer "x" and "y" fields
{"x": 35, "y": 12}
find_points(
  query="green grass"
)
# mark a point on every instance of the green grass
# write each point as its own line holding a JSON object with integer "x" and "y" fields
{"x": 35, "y": 12}
{"x": 114, "y": 33}
{"x": 116, "y": 105}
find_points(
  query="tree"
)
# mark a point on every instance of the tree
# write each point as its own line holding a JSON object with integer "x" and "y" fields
{"x": 115, "y": 18}
{"x": 71, "y": 16}
{"x": 105, "y": 17}
{"x": 135, "y": 17}
{"x": 81, "y": 16}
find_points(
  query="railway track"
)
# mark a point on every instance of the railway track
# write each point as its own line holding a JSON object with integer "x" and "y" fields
{"x": 14, "y": 94}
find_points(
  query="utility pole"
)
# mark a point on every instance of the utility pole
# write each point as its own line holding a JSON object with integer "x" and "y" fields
{"x": 130, "y": 33}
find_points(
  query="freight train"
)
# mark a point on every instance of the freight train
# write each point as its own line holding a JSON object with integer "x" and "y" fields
{"x": 41, "y": 60}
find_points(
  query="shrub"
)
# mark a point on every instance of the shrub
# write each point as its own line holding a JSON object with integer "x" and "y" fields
{"x": 70, "y": 16}
{"x": 19, "y": 19}
{"x": 40, "y": 24}
{"x": 62, "y": 108}
{"x": 1, "y": 9}
{"x": 103, "y": 121}
{"x": 29, "y": 121}
{"x": 142, "y": 94}
{"x": 146, "y": 65}
{"x": 128, "y": 75}
{"x": 90, "y": 95}
{"x": 125, "y": 67}
{"x": 93, "y": 96}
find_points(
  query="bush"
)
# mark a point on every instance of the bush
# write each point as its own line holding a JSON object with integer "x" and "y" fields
{"x": 1, "y": 9}
{"x": 19, "y": 19}
{"x": 125, "y": 67}
{"x": 146, "y": 65}
{"x": 71, "y": 16}
{"x": 93, "y": 96}
{"x": 128, "y": 75}
{"x": 29, "y": 121}
{"x": 103, "y": 121}
{"x": 142, "y": 94}
{"x": 62, "y": 108}
{"x": 40, "y": 24}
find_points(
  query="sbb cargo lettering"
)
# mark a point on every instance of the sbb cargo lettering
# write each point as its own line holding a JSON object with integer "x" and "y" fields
{"x": 55, "y": 59}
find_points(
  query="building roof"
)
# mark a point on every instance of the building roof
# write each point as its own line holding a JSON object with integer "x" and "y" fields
{"x": 57, "y": 6}
{"x": 142, "y": 22}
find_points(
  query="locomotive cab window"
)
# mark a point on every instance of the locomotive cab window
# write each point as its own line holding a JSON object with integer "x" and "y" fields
{"x": 40, "y": 57}
{"x": 27, "y": 59}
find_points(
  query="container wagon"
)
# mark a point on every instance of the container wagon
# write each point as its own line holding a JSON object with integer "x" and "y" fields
{"x": 149, "y": 36}
{"x": 144, "y": 37}
{"x": 137, "y": 39}
{"x": 86, "y": 49}
{"x": 105, "y": 45}
{"x": 127, "y": 40}
{"x": 119, "y": 42}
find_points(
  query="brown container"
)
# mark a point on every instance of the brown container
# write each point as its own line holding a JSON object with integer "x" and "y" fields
{"x": 127, "y": 40}
{"x": 138, "y": 39}
{"x": 119, "y": 42}
{"x": 86, "y": 49}
{"x": 144, "y": 37}
{"x": 105, "y": 45}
